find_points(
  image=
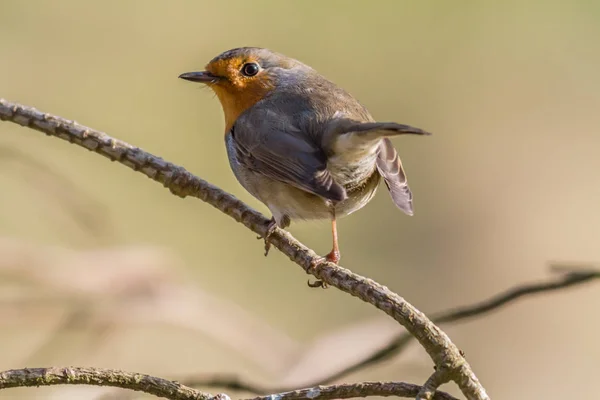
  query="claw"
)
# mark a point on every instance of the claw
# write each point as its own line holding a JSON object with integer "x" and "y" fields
{"x": 313, "y": 264}
{"x": 270, "y": 229}
{"x": 317, "y": 284}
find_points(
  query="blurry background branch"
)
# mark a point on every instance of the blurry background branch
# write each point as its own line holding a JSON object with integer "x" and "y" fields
{"x": 81, "y": 208}
{"x": 129, "y": 286}
{"x": 182, "y": 183}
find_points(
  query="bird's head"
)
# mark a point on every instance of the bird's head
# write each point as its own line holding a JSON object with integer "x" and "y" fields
{"x": 242, "y": 77}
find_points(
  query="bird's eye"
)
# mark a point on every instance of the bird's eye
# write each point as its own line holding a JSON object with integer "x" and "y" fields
{"x": 250, "y": 69}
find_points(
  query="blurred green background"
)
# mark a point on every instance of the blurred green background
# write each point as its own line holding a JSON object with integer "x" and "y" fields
{"x": 102, "y": 267}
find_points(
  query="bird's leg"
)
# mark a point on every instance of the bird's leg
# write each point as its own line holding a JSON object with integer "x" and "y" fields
{"x": 333, "y": 256}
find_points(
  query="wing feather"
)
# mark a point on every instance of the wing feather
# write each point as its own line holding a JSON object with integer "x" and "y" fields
{"x": 268, "y": 144}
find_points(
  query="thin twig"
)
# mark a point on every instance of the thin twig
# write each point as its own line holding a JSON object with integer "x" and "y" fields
{"x": 436, "y": 343}
{"x": 344, "y": 391}
{"x": 102, "y": 377}
{"x": 569, "y": 276}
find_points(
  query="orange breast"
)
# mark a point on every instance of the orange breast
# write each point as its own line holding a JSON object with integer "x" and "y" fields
{"x": 235, "y": 102}
{"x": 235, "y": 91}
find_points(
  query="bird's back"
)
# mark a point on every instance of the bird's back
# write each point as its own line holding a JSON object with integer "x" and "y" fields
{"x": 314, "y": 101}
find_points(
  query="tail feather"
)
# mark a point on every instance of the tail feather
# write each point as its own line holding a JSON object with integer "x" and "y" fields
{"x": 390, "y": 168}
{"x": 374, "y": 130}
{"x": 386, "y": 129}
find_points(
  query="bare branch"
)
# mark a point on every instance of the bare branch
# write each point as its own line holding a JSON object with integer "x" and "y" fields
{"x": 438, "y": 345}
{"x": 345, "y": 391}
{"x": 102, "y": 377}
{"x": 364, "y": 389}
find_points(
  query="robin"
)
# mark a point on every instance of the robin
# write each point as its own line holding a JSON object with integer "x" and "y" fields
{"x": 300, "y": 144}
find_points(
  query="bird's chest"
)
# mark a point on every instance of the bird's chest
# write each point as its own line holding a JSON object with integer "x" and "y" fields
{"x": 242, "y": 174}
{"x": 256, "y": 184}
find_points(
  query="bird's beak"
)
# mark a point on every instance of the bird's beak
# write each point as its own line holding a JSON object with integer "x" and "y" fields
{"x": 201, "y": 76}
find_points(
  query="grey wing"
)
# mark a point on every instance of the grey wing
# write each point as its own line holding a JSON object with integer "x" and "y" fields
{"x": 271, "y": 146}
{"x": 390, "y": 168}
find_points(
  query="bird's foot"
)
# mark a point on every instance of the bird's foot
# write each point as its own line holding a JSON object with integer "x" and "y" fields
{"x": 270, "y": 229}
{"x": 333, "y": 256}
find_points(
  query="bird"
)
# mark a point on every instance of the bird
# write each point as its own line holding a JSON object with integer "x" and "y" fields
{"x": 299, "y": 143}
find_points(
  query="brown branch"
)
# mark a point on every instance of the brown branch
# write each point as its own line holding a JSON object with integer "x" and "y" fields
{"x": 364, "y": 389}
{"x": 102, "y": 377}
{"x": 159, "y": 387}
{"x": 436, "y": 343}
